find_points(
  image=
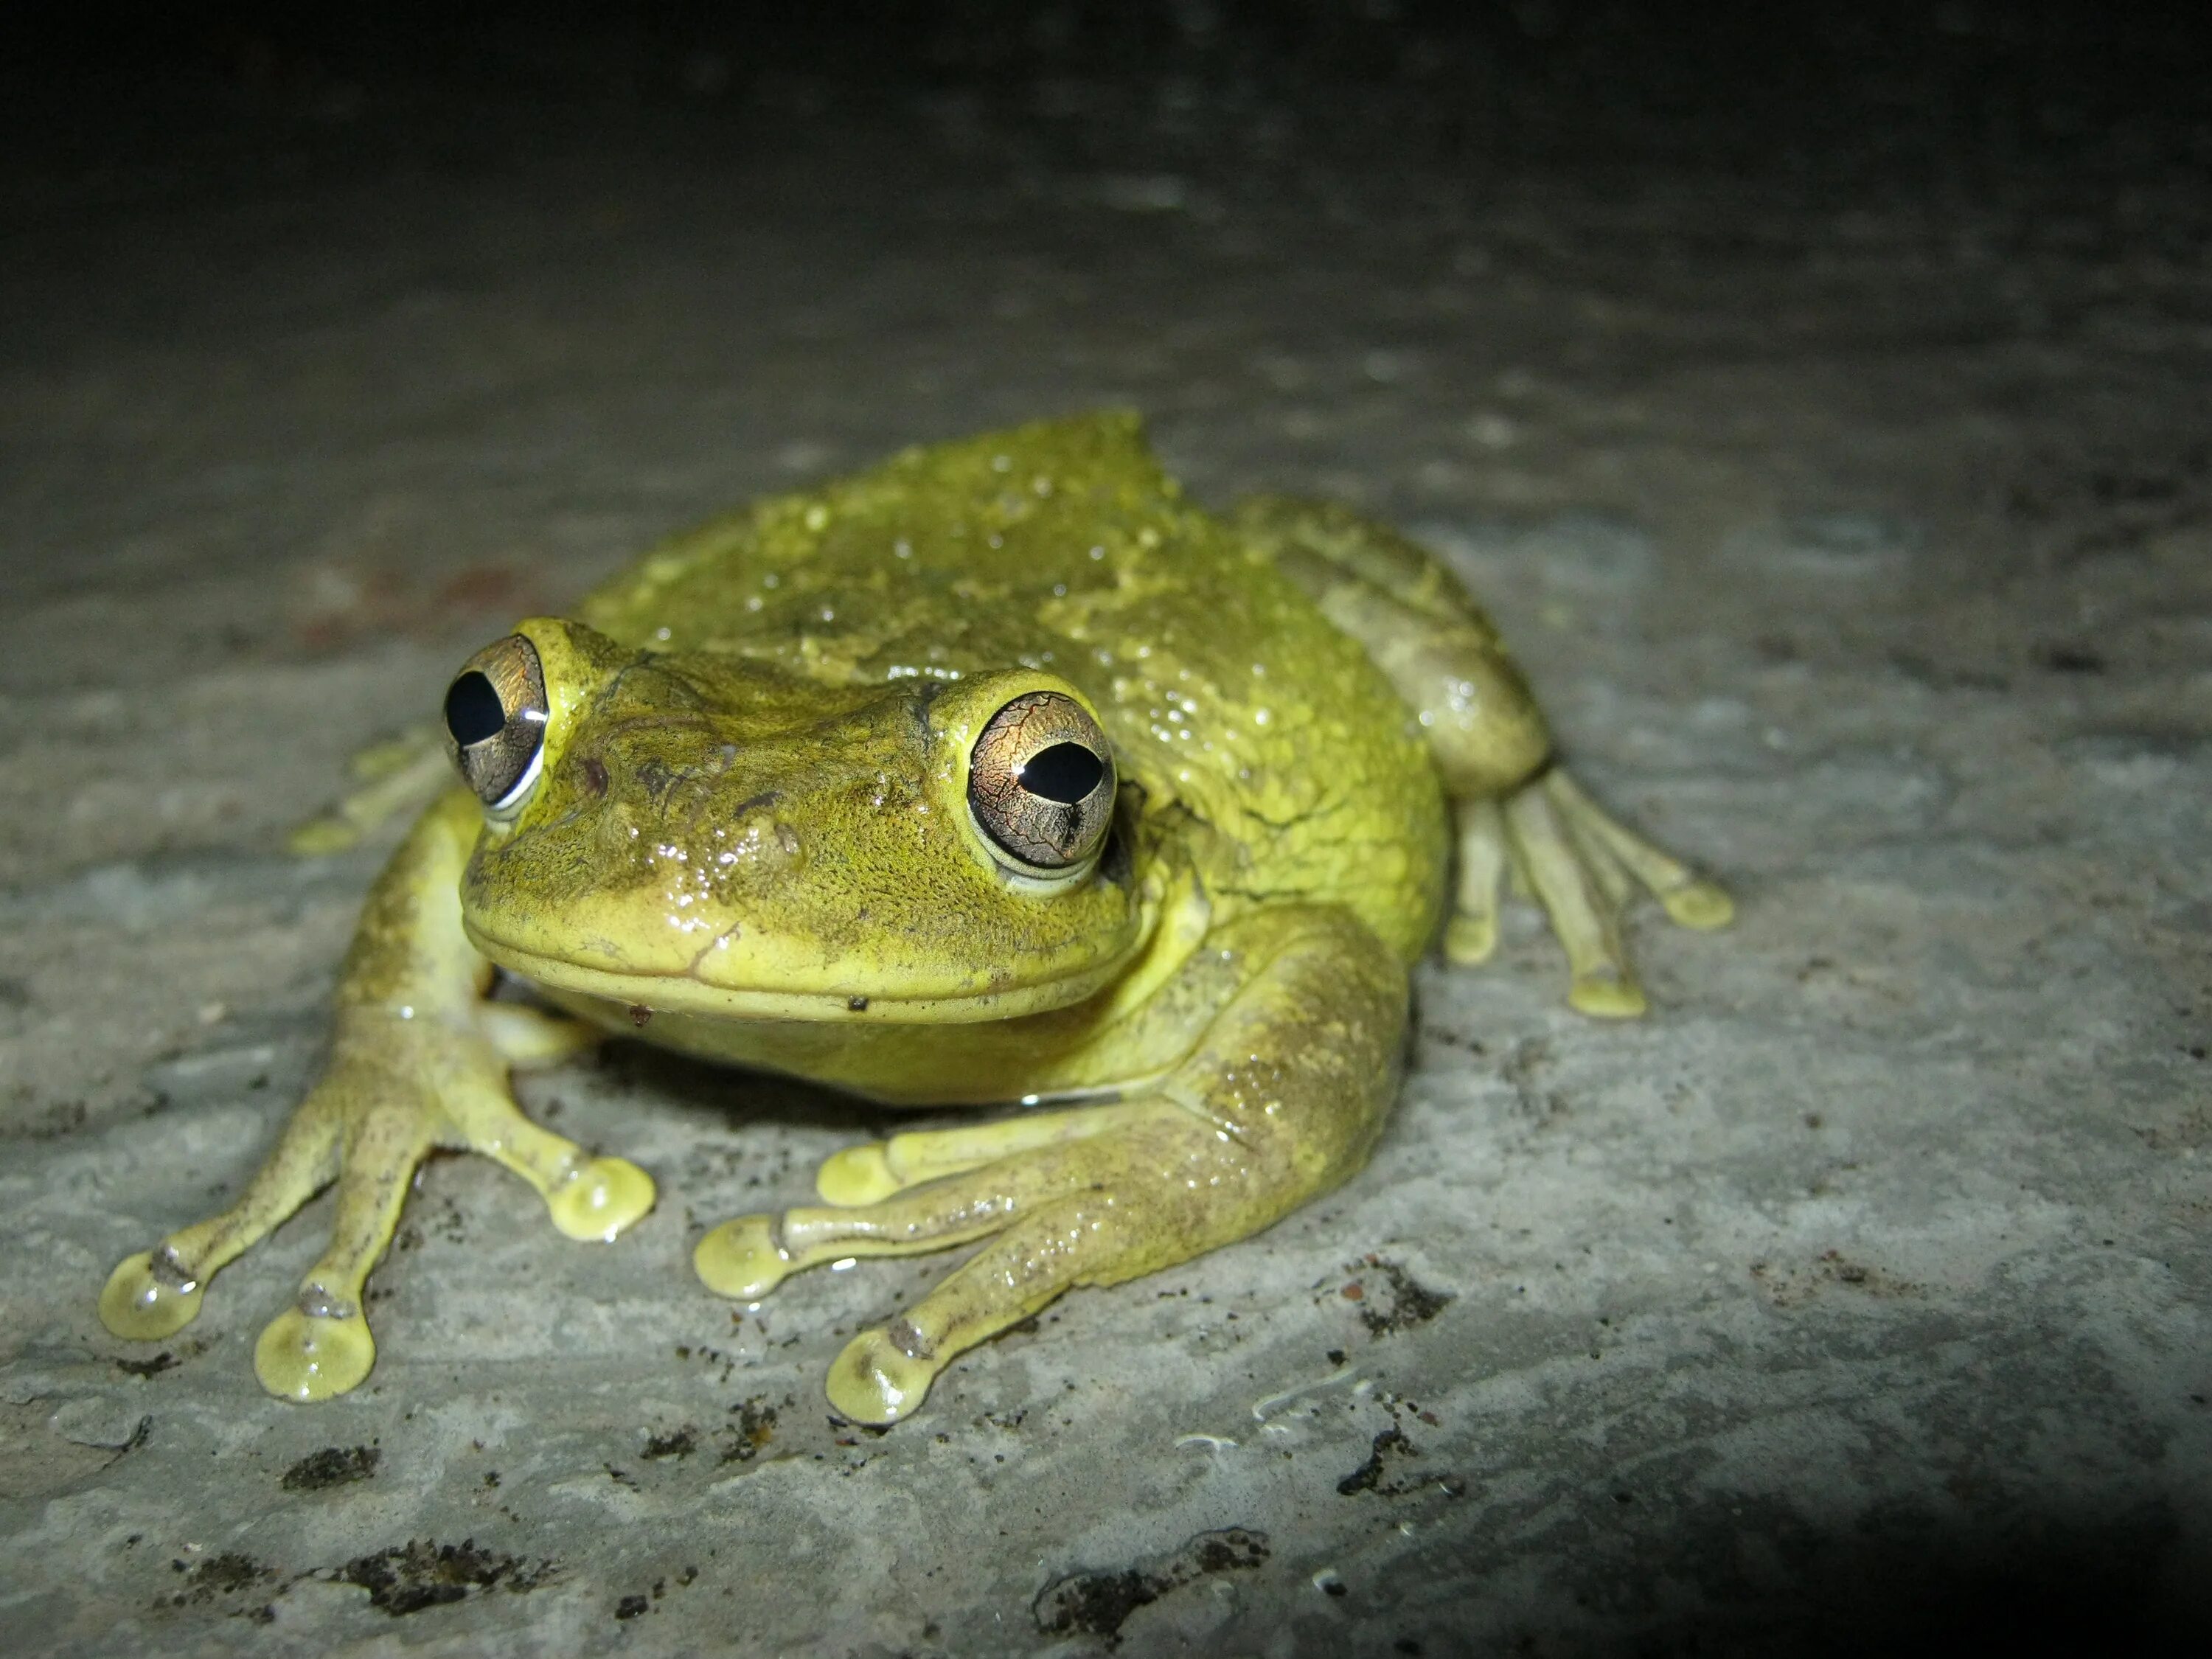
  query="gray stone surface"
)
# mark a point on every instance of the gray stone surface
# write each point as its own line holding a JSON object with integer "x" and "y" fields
{"x": 1856, "y": 541}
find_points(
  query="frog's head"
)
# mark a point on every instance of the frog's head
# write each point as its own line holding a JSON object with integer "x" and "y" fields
{"x": 695, "y": 832}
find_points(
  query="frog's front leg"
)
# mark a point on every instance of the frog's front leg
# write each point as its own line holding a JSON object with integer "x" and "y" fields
{"x": 1282, "y": 1099}
{"x": 419, "y": 1062}
{"x": 1518, "y": 813}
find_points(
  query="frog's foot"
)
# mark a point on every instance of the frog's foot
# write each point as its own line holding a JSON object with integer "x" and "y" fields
{"x": 369, "y": 1125}
{"x": 1282, "y": 1097}
{"x": 1582, "y": 867}
{"x": 1088, "y": 1198}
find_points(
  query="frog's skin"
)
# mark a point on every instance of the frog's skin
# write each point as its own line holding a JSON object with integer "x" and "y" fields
{"x": 749, "y": 836}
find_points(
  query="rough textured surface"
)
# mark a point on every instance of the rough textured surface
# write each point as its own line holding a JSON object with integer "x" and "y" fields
{"x": 1854, "y": 528}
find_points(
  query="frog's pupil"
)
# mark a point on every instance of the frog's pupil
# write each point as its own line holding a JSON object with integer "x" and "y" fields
{"x": 1066, "y": 772}
{"x": 473, "y": 711}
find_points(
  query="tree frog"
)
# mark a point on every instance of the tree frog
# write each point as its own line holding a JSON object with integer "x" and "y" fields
{"x": 1001, "y": 774}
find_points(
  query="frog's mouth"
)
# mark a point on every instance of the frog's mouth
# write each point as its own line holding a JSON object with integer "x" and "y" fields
{"x": 642, "y": 994}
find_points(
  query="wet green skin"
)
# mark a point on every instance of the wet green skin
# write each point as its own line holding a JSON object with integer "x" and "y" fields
{"x": 829, "y": 658}
{"x": 750, "y": 840}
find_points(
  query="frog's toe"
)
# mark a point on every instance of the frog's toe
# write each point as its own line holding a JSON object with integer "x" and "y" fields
{"x": 1700, "y": 905}
{"x": 602, "y": 1198}
{"x": 857, "y": 1174}
{"x": 876, "y": 1381}
{"x": 884, "y": 1374}
{"x": 1471, "y": 935}
{"x": 314, "y": 1350}
{"x": 873, "y": 1171}
{"x": 1688, "y": 898}
{"x": 744, "y": 1258}
{"x": 150, "y": 1295}
{"x": 1581, "y": 894}
{"x": 1469, "y": 940}
{"x": 1583, "y": 867}
{"x": 1605, "y": 993}
{"x": 592, "y": 1199}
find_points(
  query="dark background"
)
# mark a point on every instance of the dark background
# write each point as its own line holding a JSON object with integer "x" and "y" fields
{"x": 1886, "y": 96}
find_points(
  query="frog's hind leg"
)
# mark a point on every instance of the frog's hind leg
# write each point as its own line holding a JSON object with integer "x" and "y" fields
{"x": 1518, "y": 814}
{"x": 1283, "y": 1098}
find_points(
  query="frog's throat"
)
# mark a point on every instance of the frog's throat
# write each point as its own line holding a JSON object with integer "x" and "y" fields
{"x": 647, "y": 994}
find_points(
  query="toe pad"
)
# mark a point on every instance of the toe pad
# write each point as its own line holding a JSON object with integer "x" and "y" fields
{"x": 858, "y": 1175}
{"x": 875, "y": 1381}
{"x": 308, "y": 1357}
{"x": 740, "y": 1259}
{"x": 601, "y": 1198}
{"x": 143, "y": 1305}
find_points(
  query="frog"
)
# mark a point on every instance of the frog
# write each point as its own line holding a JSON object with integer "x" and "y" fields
{"x": 1001, "y": 775}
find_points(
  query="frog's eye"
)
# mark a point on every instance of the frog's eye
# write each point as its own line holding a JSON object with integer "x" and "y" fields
{"x": 1041, "y": 782}
{"x": 496, "y": 715}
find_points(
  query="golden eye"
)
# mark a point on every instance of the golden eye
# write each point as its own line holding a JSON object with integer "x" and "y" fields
{"x": 496, "y": 715}
{"x": 1041, "y": 782}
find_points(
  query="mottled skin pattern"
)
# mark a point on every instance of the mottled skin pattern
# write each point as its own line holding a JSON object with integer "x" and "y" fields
{"x": 750, "y": 838}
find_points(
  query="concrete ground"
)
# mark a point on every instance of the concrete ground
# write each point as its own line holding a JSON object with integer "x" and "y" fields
{"x": 1853, "y": 514}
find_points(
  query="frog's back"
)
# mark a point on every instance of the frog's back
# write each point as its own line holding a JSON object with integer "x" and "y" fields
{"x": 1287, "y": 765}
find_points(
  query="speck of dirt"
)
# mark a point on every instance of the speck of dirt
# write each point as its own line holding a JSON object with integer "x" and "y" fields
{"x": 1097, "y": 1603}
{"x": 2059, "y": 658}
{"x": 422, "y": 1573}
{"x": 755, "y": 1427}
{"x": 677, "y": 1443}
{"x": 1410, "y": 1302}
{"x": 1789, "y": 1287}
{"x": 224, "y": 1575}
{"x": 333, "y": 1466}
{"x": 1391, "y": 1443}
{"x": 160, "y": 1361}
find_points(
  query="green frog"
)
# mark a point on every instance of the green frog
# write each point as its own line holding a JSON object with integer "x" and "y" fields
{"x": 998, "y": 774}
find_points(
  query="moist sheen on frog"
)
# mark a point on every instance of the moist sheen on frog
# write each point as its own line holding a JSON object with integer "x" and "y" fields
{"x": 1001, "y": 774}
